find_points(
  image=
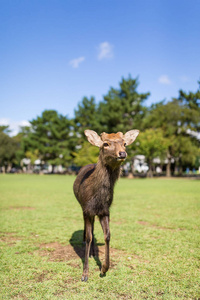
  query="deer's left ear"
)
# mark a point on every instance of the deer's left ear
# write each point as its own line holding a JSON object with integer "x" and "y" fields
{"x": 130, "y": 136}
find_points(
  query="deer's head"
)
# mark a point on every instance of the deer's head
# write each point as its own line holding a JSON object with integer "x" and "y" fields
{"x": 112, "y": 146}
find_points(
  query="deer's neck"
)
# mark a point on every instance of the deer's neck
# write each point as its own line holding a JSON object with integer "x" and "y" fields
{"x": 106, "y": 175}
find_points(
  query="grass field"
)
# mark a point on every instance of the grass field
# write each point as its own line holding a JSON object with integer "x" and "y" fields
{"x": 155, "y": 239}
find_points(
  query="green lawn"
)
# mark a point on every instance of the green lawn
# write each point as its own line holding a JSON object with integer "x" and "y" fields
{"x": 155, "y": 240}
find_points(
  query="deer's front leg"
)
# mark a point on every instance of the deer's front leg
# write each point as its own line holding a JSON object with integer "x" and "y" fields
{"x": 105, "y": 226}
{"x": 92, "y": 250}
{"x": 88, "y": 236}
{"x": 84, "y": 232}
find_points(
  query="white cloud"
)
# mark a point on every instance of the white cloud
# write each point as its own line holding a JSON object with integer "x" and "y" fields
{"x": 105, "y": 50}
{"x": 76, "y": 62}
{"x": 164, "y": 79}
{"x": 4, "y": 121}
{"x": 14, "y": 126}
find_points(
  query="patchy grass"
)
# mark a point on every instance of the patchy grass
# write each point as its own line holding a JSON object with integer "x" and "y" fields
{"x": 155, "y": 239}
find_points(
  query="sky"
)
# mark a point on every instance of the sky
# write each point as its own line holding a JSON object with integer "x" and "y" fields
{"x": 55, "y": 52}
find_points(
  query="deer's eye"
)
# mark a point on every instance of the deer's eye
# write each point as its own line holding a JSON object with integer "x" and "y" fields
{"x": 124, "y": 144}
{"x": 105, "y": 145}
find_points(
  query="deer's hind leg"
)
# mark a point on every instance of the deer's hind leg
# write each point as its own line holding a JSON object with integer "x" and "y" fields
{"x": 106, "y": 230}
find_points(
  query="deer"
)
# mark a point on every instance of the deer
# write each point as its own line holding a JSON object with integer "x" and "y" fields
{"x": 94, "y": 186}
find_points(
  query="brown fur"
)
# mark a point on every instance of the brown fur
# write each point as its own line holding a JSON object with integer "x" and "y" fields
{"x": 94, "y": 188}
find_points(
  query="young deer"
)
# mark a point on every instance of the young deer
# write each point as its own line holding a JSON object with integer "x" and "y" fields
{"x": 94, "y": 186}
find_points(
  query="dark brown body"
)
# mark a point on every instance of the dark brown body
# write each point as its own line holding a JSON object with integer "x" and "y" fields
{"x": 94, "y": 187}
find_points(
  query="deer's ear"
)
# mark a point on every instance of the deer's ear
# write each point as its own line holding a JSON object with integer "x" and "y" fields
{"x": 130, "y": 136}
{"x": 93, "y": 138}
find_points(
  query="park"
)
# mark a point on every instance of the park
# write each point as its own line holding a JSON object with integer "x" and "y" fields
{"x": 99, "y": 150}
{"x": 154, "y": 240}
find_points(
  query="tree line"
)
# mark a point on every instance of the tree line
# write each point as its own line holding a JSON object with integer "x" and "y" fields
{"x": 169, "y": 130}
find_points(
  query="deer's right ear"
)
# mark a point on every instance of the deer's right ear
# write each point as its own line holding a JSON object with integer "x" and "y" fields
{"x": 93, "y": 138}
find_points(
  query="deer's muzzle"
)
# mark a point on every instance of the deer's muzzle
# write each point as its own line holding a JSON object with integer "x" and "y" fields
{"x": 122, "y": 155}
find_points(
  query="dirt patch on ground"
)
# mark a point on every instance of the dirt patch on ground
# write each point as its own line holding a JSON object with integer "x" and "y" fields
{"x": 9, "y": 238}
{"x": 57, "y": 252}
{"x": 21, "y": 296}
{"x": 119, "y": 221}
{"x": 22, "y": 207}
{"x": 44, "y": 275}
{"x": 144, "y": 223}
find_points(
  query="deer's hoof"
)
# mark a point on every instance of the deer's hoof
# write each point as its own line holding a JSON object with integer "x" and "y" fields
{"x": 104, "y": 269}
{"x": 84, "y": 278}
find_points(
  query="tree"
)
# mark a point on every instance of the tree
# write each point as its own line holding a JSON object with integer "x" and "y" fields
{"x": 192, "y": 103}
{"x": 86, "y": 116}
{"x": 152, "y": 143}
{"x": 122, "y": 109}
{"x": 52, "y": 136}
{"x": 177, "y": 118}
{"x": 8, "y": 148}
{"x": 88, "y": 154}
{"x": 186, "y": 153}
{"x": 5, "y": 129}
{"x": 19, "y": 139}
{"x": 33, "y": 155}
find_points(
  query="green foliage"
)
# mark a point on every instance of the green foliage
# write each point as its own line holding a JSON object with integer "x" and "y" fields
{"x": 33, "y": 155}
{"x": 122, "y": 109}
{"x": 8, "y": 148}
{"x": 191, "y": 102}
{"x": 185, "y": 151}
{"x": 152, "y": 143}
{"x": 175, "y": 118}
{"x": 20, "y": 153}
{"x": 51, "y": 135}
{"x": 88, "y": 154}
{"x": 86, "y": 116}
{"x": 167, "y": 116}
{"x": 5, "y": 129}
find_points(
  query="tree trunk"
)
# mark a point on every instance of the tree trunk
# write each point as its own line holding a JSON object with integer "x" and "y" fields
{"x": 150, "y": 171}
{"x": 181, "y": 170}
{"x": 132, "y": 165}
{"x": 53, "y": 168}
{"x": 8, "y": 168}
{"x": 180, "y": 167}
{"x": 168, "y": 170}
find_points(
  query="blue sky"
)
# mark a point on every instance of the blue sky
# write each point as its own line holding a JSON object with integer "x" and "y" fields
{"x": 55, "y": 52}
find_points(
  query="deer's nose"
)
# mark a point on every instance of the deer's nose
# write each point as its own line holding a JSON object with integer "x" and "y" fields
{"x": 122, "y": 154}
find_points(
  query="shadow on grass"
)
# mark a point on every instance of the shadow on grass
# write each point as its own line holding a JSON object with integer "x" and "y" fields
{"x": 77, "y": 243}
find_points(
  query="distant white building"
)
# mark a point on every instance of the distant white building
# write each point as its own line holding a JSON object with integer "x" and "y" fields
{"x": 139, "y": 164}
